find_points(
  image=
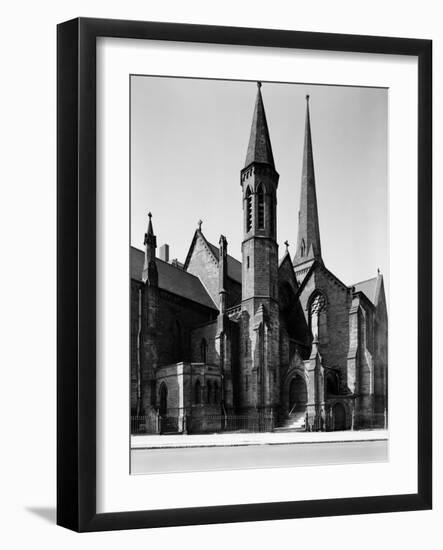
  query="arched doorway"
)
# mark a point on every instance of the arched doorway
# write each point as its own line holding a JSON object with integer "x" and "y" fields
{"x": 338, "y": 417}
{"x": 298, "y": 395}
{"x": 163, "y": 409}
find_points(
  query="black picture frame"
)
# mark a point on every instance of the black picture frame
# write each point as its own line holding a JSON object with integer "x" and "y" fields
{"x": 76, "y": 273}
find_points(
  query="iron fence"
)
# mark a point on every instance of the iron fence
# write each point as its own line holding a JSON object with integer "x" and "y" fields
{"x": 202, "y": 423}
{"x": 179, "y": 421}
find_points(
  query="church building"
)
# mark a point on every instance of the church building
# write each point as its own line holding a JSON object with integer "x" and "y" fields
{"x": 265, "y": 344}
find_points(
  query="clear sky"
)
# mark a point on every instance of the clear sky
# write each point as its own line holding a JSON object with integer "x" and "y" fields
{"x": 188, "y": 144}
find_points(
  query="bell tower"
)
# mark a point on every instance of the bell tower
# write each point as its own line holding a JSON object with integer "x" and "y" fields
{"x": 260, "y": 313}
{"x": 259, "y": 181}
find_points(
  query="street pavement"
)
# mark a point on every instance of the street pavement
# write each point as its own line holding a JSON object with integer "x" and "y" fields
{"x": 192, "y": 459}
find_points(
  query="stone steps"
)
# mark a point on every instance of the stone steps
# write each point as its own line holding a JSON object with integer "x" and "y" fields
{"x": 295, "y": 423}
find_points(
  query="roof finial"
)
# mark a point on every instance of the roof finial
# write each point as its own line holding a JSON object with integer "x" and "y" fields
{"x": 258, "y": 84}
{"x": 286, "y": 243}
{"x": 378, "y": 271}
{"x": 199, "y": 223}
{"x": 149, "y": 214}
{"x": 307, "y": 98}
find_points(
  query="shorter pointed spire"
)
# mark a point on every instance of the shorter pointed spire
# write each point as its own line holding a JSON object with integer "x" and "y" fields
{"x": 259, "y": 149}
{"x": 150, "y": 274}
{"x": 150, "y": 231}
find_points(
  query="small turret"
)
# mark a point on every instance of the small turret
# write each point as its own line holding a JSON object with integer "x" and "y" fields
{"x": 150, "y": 273}
{"x": 222, "y": 272}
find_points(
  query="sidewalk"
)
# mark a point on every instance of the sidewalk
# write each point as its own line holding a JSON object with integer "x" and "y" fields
{"x": 175, "y": 441}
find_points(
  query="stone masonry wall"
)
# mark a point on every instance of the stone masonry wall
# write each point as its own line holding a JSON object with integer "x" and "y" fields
{"x": 334, "y": 336}
{"x": 176, "y": 319}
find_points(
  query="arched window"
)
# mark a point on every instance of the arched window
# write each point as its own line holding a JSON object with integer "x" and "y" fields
{"x": 302, "y": 248}
{"x": 260, "y": 207}
{"x": 272, "y": 216}
{"x": 197, "y": 393}
{"x": 248, "y": 209}
{"x": 208, "y": 392}
{"x": 316, "y": 314}
{"x": 332, "y": 383}
{"x": 203, "y": 351}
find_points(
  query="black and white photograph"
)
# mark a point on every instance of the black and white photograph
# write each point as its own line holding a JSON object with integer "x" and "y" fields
{"x": 259, "y": 273}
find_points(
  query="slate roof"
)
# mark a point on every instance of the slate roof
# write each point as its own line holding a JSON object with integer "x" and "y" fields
{"x": 172, "y": 279}
{"x": 368, "y": 287}
{"x": 259, "y": 148}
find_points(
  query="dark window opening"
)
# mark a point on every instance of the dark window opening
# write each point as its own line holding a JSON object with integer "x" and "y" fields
{"x": 197, "y": 393}
{"x": 261, "y": 207}
{"x": 272, "y": 216}
{"x": 203, "y": 351}
{"x": 216, "y": 394}
{"x": 248, "y": 210}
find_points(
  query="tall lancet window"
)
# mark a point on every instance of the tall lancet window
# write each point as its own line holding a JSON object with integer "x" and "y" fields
{"x": 317, "y": 316}
{"x": 248, "y": 209}
{"x": 302, "y": 248}
{"x": 261, "y": 207}
{"x": 272, "y": 216}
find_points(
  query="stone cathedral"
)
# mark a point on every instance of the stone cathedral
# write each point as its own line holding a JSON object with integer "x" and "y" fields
{"x": 264, "y": 344}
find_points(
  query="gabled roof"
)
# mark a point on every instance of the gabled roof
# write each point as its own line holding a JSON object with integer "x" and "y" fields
{"x": 318, "y": 264}
{"x": 234, "y": 266}
{"x": 285, "y": 266}
{"x": 172, "y": 279}
{"x": 370, "y": 288}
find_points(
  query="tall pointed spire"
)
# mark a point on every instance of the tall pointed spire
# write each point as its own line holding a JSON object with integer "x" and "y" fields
{"x": 308, "y": 241}
{"x": 259, "y": 149}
